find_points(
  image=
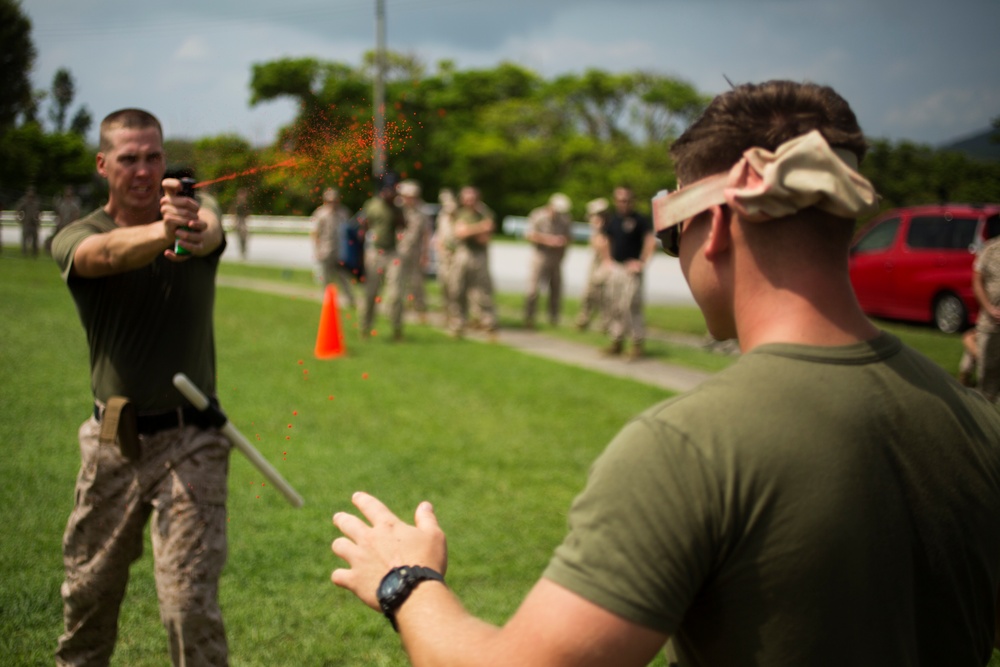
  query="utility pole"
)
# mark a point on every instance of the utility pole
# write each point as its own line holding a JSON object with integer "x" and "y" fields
{"x": 378, "y": 159}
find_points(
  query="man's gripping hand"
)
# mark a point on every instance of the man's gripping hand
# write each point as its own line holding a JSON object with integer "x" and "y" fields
{"x": 372, "y": 550}
{"x": 181, "y": 221}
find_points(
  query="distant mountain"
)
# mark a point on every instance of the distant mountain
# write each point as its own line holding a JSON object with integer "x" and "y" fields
{"x": 979, "y": 146}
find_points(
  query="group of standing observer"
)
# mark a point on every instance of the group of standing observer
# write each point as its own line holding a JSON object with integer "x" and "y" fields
{"x": 394, "y": 235}
{"x": 831, "y": 498}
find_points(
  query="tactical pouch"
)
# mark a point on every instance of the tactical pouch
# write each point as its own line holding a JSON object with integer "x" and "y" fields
{"x": 119, "y": 427}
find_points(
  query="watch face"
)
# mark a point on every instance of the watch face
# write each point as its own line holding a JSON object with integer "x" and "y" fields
{"x": 391, "y": 585}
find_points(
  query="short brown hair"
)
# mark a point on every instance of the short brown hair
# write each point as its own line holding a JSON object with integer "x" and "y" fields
{"x": 129, "y": 119}
{"x": 765, "y": 116}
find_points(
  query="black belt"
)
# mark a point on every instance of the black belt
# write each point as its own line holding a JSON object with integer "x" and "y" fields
{"x": 154, "y": 422}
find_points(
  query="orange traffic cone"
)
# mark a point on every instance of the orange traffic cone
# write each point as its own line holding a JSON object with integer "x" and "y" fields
{"x": 329, "y": 340}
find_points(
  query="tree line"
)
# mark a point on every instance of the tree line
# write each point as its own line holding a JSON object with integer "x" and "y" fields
{"x": 516, "y": 135}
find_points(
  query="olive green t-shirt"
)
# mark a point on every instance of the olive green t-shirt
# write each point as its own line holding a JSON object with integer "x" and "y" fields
{"x": 472, "y": 216}
{"x": 385, "y": 220}
{"x": 143, "y": 326}
{"x": 807, "y": 506}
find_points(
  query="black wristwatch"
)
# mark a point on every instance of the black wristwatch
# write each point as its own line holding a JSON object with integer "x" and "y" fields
{"x": 397, "y": 585}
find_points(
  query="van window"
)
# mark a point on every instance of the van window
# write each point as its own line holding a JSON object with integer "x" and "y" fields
{"x": 937, "y": 232}
{"x": 993, "y": 226}
{"x": 878, "y": 237}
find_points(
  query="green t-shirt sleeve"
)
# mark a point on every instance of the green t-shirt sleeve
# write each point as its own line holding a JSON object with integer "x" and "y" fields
{"x": 68, "y": 239}
{"x": 642, "y": 533}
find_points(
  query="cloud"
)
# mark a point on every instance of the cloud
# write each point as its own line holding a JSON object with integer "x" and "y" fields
{"x": 952, "y": 112}
{"x": 193, "y": 49}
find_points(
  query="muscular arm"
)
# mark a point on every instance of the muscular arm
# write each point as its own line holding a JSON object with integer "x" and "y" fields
{"x": 130, "y": 247}
{"x": 121, "y": 250}
{"x": 464, "y": 230}
{"x": 553, "y": 626}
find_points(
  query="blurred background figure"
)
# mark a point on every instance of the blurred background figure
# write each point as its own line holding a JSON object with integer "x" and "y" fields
{"x": 549, "y": 230}
{"x": 67, "y": 210}
{"x": 327, "y": 233}
{"x": 241, "y": 214}
{"x": 592, "y": 304}
{"x": 986, "y": 287}
{"x": 29, "y": 211}
{"x": 414, "y": 246}
{"x": 470, "y": 275}
{"x": 384, "y": 221}
{"x": 444, "y": 245}
{"x": 629, "y": 245}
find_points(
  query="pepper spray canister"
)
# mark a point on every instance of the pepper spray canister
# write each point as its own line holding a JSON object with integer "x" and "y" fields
{"x": 187, "y": 190}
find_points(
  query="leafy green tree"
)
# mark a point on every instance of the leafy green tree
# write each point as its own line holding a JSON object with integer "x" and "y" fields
{"x": 63, "y": 90}
{"x": 17, "y": 57}
{"x": 49, "y": 161}
{"x": 82, "y": 122}
{"x": 505, "y": 129}
{"x": 907, "y": 174}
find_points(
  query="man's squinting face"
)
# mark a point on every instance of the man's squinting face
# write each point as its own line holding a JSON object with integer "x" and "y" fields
{"x": 134, "y": 167}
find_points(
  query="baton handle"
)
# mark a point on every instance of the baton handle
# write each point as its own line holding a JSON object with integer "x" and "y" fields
{"x": 238, "y": 440}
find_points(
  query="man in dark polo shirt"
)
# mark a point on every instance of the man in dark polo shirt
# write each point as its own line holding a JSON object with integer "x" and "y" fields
{"x": 630, "y": 246}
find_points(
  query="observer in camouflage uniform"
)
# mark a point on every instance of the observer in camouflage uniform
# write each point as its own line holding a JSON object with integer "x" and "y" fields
{"x": 549, "y": 229}
{"x": 986, "y": 285}
{"x": 470, "y": 273}
{"x": 413, "y": 246}
{"x": 384, "y": 221}
{"x": 328, "y": 221}
{"x": 148, "y": 315}
{"x": 29, "y": 209}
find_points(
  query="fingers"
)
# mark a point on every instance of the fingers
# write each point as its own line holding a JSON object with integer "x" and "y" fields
{"x": 424, "y": 518}
{"x": 171, "y": 186}
{"x": 373, "y": 508}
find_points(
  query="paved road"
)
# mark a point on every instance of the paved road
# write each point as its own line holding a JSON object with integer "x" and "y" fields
{"x": 509, "y": 262}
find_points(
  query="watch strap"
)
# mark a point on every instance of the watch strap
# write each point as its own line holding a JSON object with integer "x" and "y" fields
{"x": 410, "y": 576}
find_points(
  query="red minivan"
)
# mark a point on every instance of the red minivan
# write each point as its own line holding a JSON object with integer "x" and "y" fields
{"x": 915, "y": 263}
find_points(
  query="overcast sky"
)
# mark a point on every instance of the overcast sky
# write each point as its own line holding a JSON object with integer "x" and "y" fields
{"x": 923, "y": 70}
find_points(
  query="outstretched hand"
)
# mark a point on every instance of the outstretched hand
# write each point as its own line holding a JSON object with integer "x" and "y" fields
{"x": 180, "y": 216}
{"x": 372, "y": 550}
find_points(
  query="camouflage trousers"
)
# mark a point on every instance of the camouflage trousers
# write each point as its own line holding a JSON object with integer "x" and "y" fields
{"x": 546, "y": 268}
{"x": 592, "y": 303}
{"x": 412, "y": 280}
{"x": 624, "y": 303}
{"x": 471, "y": 286}
{"x": 178, "y": 479}
{"x": 335, "y": 274}
{"x": 988, "y": 367}
{"x": 382, "y": 268}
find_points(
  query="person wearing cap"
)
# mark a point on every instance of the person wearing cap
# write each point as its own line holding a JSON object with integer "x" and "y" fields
{"x": 831, "y": 498}
{"x": 327, "y": 229}
{"x": 627, "y": 248}
{"x": 414, "y": 246}
{"x": 470, "y": 275}
{"x": 592, "y": 303}
{"x": 383, "y": 221}
{"x": 550, "y": 231}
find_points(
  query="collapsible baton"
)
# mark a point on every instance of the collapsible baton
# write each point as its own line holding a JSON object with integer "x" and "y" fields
{"x": 238, "y": 440}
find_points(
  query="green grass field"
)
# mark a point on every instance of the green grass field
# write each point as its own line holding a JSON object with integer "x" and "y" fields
{"x": 455, "y": 422}
{"x": 498, "y": 440}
